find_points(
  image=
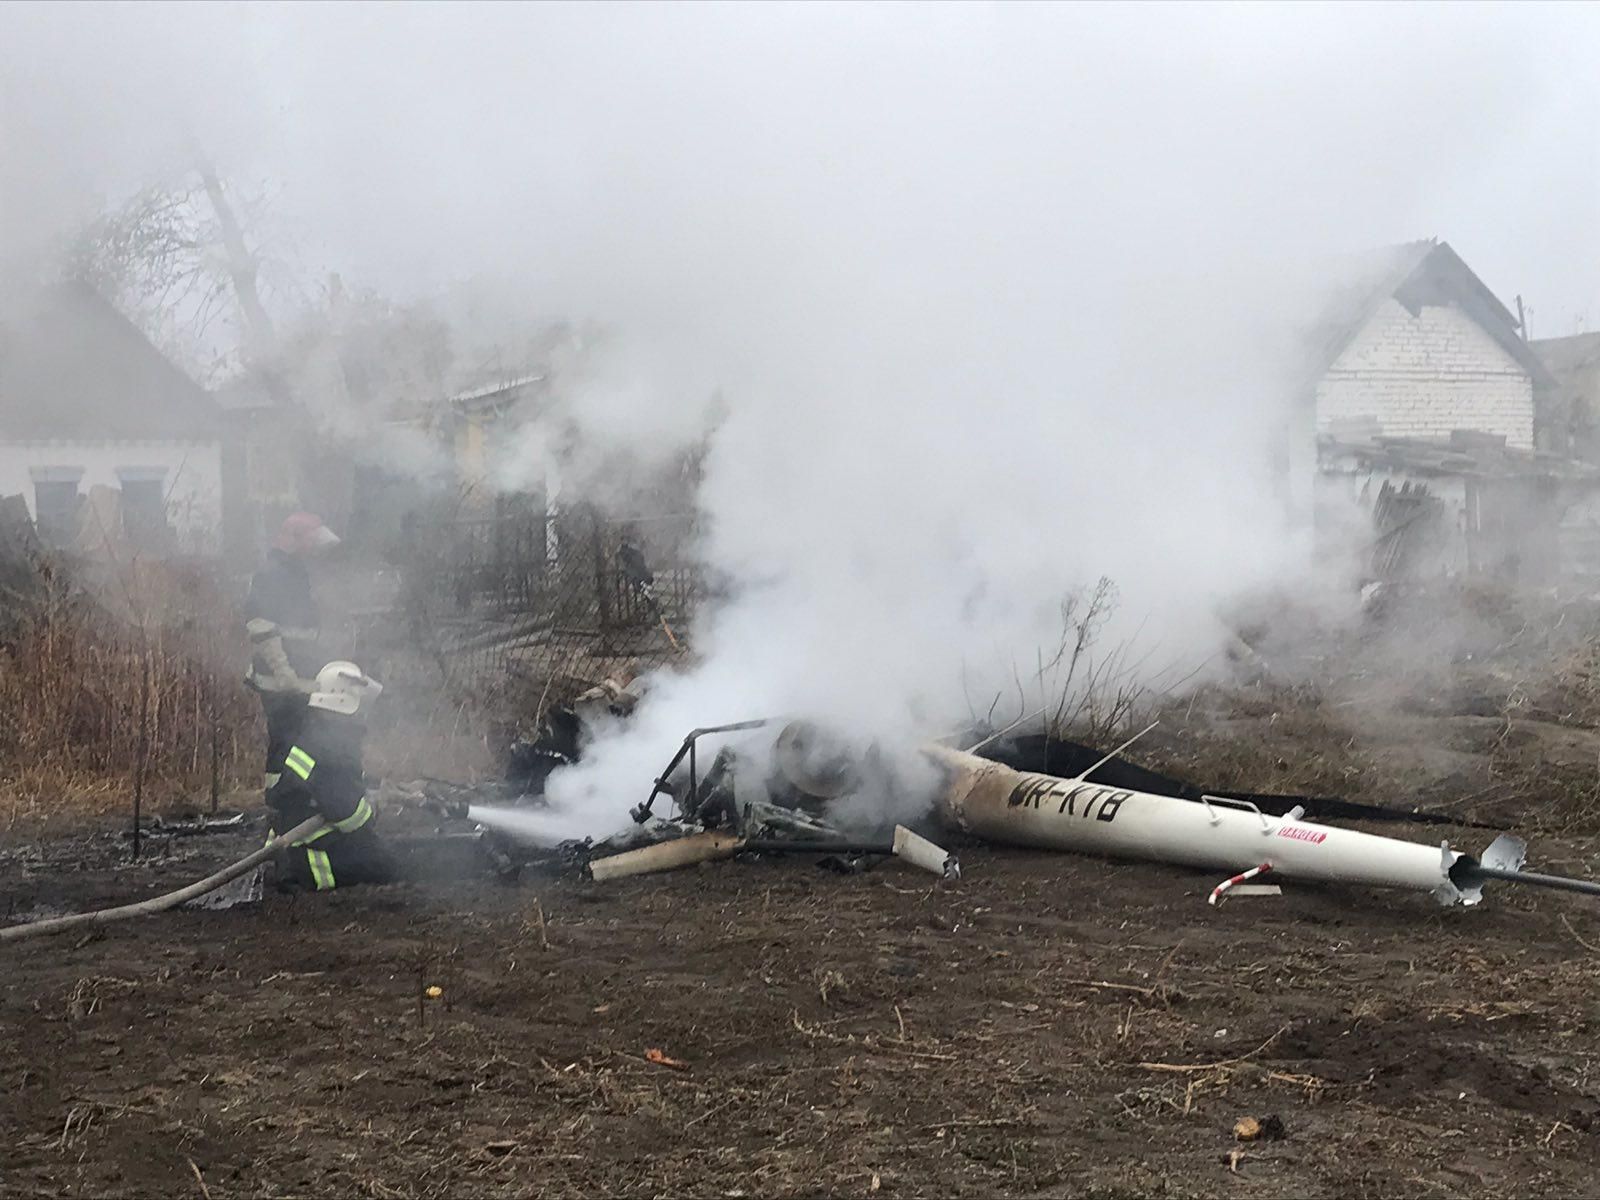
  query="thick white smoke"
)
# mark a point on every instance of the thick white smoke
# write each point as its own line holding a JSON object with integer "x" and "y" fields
{"x": 904, "y": 498}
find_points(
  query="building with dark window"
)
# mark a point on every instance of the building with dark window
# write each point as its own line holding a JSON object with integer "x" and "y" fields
{"x": 106, "y": 440}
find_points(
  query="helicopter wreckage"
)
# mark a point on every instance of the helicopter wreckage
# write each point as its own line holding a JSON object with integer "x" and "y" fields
{"x": 810, "y": 792}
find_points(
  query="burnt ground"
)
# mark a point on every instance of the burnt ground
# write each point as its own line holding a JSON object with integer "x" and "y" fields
{"x": 1048, "y": 1025}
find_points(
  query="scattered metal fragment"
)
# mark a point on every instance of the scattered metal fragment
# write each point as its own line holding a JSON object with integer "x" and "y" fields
{"x": 711, "y": 845}
{"x": 1220, "y": 892}
{"x": 667, "y": 856}
{"x": 1257, "y": 889}
{"x": 920, "y": 852}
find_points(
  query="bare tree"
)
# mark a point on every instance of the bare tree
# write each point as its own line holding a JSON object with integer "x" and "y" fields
{"x": 241, "y": 263}
{"x": 178, "y": 259}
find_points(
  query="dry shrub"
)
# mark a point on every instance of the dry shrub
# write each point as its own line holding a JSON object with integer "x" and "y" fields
{"x": 1083, "y": 688}
{"x": 105, "y": 665}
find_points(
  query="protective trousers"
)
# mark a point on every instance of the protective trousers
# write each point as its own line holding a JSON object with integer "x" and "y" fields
{"x": 332, "y": 859}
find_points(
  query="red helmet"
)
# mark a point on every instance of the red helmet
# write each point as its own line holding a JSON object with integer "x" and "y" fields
{"x": 303, "y": 532}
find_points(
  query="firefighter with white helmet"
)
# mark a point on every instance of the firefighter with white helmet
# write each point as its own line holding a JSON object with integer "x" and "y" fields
{"x": 323, "y": 776}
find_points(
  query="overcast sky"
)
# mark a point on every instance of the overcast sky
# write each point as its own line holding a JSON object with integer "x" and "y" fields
{"x": 411, "y": 146}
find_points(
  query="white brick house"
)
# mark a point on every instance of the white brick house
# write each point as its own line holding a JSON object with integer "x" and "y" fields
{"x": 1424, "y": 374}
{"x": 1412, "y": 344}
{"x": 1420, "y": 378}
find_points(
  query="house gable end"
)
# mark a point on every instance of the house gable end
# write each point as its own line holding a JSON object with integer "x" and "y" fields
{"x": 1424, "y": 375}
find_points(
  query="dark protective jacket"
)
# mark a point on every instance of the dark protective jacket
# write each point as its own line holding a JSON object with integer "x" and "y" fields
{"x": 282, "y": 620}
{"x": 323, "y": 774}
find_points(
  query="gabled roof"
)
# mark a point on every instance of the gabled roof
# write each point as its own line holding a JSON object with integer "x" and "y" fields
{"x": 1415, "y": 274}
{"x": 73, "y": 368}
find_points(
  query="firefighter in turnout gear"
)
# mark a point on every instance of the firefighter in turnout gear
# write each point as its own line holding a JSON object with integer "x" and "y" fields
{"x": 281, "y": 619}
{"x": 322, "y": 775}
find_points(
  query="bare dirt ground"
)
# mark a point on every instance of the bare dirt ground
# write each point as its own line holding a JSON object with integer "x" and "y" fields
{"x": 1047, "y": 1026}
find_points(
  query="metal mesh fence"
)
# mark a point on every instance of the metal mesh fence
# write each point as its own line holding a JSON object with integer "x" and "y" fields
{"x": 560, "y": 599}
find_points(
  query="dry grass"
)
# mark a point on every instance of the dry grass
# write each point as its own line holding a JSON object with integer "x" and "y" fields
{"x": 1451, "y": 704}
{"x": 115, "y": 672}
{"x": 111, "y": 674}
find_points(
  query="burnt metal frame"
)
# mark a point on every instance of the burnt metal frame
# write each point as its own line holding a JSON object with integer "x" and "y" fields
{"x": 642, "y": 812}
{"x": 689, "y": 749}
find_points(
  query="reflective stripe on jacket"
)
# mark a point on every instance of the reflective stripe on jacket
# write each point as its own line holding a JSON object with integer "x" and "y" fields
{"x": 322, "y": 773}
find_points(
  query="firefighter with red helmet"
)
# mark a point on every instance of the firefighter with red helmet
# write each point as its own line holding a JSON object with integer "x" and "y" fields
{"x": 282, "y": 621}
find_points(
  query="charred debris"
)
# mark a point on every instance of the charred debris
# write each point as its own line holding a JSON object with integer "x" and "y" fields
{"x": 756, "y": 796}
{"x": 771, "y": 786}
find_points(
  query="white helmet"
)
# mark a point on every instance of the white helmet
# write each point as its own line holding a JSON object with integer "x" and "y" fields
{"x": 342, "y": 687}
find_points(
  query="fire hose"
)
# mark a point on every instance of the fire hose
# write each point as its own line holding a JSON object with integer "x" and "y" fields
{"x": 157, "y": 904}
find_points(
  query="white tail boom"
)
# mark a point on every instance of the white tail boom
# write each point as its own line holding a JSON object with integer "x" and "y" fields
{"x": 993, "y": 801}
